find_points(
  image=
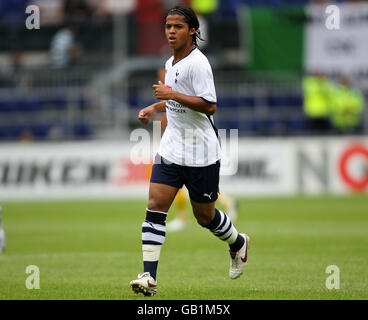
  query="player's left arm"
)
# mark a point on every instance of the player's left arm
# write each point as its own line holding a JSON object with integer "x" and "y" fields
{"x": 199, "y": 104}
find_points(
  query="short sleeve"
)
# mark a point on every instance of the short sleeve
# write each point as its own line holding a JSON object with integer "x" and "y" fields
{"x": 203, "y": 82}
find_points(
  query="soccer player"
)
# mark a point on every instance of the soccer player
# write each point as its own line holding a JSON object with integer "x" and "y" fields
{"x": 180, "y": 202}
{"x": 189, "y": 152}
{"x": 2, "y": 235}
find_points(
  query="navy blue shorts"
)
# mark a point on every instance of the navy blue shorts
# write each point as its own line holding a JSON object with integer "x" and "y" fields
{"x": 201, "y": 182}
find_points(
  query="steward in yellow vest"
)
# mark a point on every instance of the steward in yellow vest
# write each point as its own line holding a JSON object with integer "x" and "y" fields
{"x": 317, "y": 100}
{"x": 347, "y": 106}
{"x": 317, "y": 96}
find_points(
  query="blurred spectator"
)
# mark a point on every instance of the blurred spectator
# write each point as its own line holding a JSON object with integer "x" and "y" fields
{"x": 347, "y": 106}
{"x": 64, "y": 50}
{"x": 317, "y": 91}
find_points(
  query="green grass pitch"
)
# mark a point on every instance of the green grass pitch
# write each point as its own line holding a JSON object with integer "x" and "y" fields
{"x": 92, "y": 249}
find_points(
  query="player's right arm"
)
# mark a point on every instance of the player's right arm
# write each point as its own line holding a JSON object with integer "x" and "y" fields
{"x": 147, "y": 114}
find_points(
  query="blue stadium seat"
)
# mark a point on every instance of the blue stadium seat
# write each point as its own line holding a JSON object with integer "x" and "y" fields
{"x": 3, "y": 131}
{"x": 55, "y": 101}
{"x": 277, "y": 3}
{"x": 141, "y": 101}
{"x": 246, "y": 101}
{"x": 133, "y": 101}
{"x": 292, "y": 101}
{"x": 41, "y": 129}
{"x": 277, "y": 101}
{"x": 29, "y": 103}
{"x": 295, "y": 101}
{"x": 230, "y": 124}
{"x": 13, "y": 11}
{"x": 8, "y": 103}
{"x": 82, "y": 102}
{"x": 82, "y": 129}
{"x": 18, "y": 129}
{"x": 227, "y": 101}
{"x": 276, "y": 127}
{"x": 228, "y": 8}
{"x": 246, "y": 126}
{"x": 296, "y": 125}
{"x": 256, "y": 126}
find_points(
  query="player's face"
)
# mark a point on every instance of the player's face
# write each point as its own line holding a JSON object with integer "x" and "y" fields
{"x": 177, "y": 32}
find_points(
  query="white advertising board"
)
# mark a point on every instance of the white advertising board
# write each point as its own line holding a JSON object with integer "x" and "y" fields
{"x": 343, "y": 50}
{"x": 290, "y": 166}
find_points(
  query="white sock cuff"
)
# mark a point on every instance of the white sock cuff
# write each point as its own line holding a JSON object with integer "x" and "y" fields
{"x": 151, "y": 252}
{"x": 156, "y": 211}
{"x": 233, "y": 236}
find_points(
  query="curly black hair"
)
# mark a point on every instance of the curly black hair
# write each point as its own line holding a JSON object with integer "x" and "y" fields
{"x": 190, "y": 18}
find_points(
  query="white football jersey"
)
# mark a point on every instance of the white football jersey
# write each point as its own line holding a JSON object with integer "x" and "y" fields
{"x": 190, "y": 138}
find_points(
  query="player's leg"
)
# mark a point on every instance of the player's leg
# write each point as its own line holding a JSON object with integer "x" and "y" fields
{"x": 221, "y": 226}
{"x": 165, "y": 183}
{"x": 161, "y": 197}
{"x": 202, "y": 185}
{"x": 218, "y": 223}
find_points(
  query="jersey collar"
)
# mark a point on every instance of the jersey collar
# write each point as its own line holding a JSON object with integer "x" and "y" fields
{"x": 172, "y": 64}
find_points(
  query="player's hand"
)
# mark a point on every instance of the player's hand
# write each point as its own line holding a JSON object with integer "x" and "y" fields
{"x": 146, "y": 114}
{"x": 162, "y": 92}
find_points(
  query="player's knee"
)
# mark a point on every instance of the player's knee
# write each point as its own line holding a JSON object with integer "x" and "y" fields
{"x": 157, "y": 205}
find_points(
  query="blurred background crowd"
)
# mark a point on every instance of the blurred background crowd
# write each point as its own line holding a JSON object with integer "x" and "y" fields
{"x": 89, "y": 68}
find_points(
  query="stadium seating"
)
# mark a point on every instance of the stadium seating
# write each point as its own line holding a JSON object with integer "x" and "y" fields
{"x": 57, "y": 99}
{"x": 37, "y": 111}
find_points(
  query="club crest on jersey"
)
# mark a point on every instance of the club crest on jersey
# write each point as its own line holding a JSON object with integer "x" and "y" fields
{"x": 176, "y": 76}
